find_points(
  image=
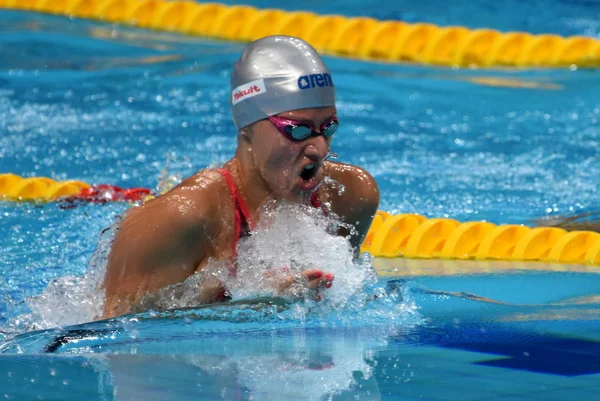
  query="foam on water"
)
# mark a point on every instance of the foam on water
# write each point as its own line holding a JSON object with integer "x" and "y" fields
{"x": 70, "y": 300}
{"x": 288, "y": 240}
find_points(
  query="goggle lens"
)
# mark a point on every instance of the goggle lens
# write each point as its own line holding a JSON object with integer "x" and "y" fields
{"x": 299, "y": 132}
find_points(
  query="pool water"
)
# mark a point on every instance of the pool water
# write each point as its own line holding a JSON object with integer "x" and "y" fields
{"x": 107, "y": 104}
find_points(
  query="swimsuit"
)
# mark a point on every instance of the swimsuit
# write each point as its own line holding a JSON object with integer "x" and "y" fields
{"x": 243, "y": 224}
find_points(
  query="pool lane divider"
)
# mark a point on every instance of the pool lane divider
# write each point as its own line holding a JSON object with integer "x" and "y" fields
{"x": 390, "y": 236}
{"x": 43, "y": 189}
{"x": 415, "y": 236}
{"x": 354, "y": 37}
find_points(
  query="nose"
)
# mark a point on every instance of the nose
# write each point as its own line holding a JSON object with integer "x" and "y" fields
{"x": 316, "y": 149}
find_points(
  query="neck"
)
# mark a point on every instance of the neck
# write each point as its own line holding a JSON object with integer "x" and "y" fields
{"x": 248, "y": 181}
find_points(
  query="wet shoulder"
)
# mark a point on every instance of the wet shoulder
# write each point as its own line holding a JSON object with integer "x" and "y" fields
{"x": 350, "y": 175}
{"x": 201, "y": 185}
{"x": 351, "y": 183}
{"x": 198, "y": 198}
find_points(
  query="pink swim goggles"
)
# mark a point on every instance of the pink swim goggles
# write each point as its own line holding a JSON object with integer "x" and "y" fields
{"x": 298, "y": 131}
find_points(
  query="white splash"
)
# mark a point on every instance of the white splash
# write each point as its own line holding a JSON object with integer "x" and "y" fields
{"x": 290, "y": 239}
{"x": 71, "y": 300}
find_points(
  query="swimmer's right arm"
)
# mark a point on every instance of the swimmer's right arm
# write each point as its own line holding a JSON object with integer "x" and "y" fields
{"x": 158, "y": 244}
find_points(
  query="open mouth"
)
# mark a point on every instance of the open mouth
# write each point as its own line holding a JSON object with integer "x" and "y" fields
{"x": 309, "y": 172}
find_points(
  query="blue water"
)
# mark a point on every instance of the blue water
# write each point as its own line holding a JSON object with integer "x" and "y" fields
{"x": 106, "y": 104}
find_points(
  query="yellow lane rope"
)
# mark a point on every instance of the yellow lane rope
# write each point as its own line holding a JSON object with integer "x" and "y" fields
{"x": 355, "y": 37}
{"x": 402, "y": 235}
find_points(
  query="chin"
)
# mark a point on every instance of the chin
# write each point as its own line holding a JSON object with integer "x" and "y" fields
{"x": 295, "y": 188}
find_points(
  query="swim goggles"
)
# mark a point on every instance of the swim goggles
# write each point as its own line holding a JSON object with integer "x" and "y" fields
{"x": 297, "y": 131}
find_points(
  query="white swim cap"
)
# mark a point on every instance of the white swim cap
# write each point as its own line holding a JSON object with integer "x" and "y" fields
{"x": 276, "y": 74}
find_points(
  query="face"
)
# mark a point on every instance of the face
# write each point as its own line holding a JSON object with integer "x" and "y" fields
{"x": 289, "y": 168}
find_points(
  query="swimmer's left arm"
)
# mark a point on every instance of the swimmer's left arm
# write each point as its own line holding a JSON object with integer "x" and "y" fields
{"x": 357, "y": 203}
{"x": 294, "y": 284}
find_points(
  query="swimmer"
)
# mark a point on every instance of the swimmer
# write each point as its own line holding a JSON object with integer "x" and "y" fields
{"x": 283, "y": 105}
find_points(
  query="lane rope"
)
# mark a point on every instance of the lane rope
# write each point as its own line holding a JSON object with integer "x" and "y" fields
{"x": 390, "y": 236}
{"x": 354, "y": 37}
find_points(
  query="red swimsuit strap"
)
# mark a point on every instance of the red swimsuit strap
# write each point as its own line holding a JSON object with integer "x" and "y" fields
{"x": 314, "y": 200}
{"x": 239, "y": 208}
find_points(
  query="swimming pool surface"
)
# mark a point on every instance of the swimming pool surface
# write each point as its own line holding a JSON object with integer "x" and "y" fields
{"x": 106, "y": 104}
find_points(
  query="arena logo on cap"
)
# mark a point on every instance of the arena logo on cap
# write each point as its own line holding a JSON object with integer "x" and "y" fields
{"x": 314, "y": 80}
{"x": 248, "y": 90}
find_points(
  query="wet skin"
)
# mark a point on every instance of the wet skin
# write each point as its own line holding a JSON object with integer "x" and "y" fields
{"x": 171, "y": 237}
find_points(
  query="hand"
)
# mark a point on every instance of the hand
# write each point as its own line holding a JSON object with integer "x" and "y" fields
{"x": 314, "y": 279}
{"x": 317, "y": 279}
{"x": 211, "y": 290}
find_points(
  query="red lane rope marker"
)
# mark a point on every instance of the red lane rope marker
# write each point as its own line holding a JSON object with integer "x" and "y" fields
{"x": 103, "y": 193}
